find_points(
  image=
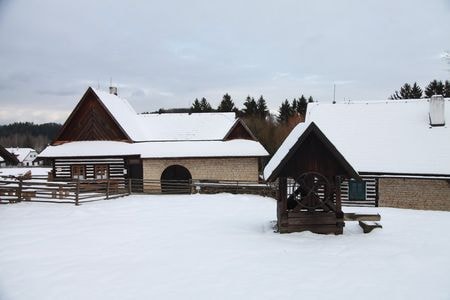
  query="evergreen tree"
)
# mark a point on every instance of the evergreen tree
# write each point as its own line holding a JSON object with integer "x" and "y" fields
{"x": 434, "y": 88}
{"x": 295, "y": 105}
{"x": 261, "y": 108}
{"x": 310, "y": 99}
{"x": 302, "y": 104}
{"x": 437, "y": 88}
{"x": 285, "y": 112}
{"x": 447, "y": 88}
{"x": 250, "y": 107}
{"x": 205, "y": 106}
{"x": 416, "y": 91}
{"x": 195, "y": 108}
{"x": 408, "y": 92}
{"x": 226, "y": 104}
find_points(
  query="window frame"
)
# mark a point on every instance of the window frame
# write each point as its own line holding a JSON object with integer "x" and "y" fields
{"x": 357, "y": 190}
{"x": 75, "y": 172}
{"x": 104, "y": 168}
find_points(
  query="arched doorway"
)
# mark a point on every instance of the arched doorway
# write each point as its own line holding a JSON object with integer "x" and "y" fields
{"x": 176, "y": 179}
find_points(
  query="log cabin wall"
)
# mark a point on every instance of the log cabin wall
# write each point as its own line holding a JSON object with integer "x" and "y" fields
{"x": 371, "y": 194}
{"x": 62, "y": 167}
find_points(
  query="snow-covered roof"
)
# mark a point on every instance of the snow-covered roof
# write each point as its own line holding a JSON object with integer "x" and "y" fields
{"x": 283, "y": 150}
{"x": 20, "y": 153}
{"x": 392, "y": 136}
{"x": 166, "y": 127}
{"x": 232, "y": 148}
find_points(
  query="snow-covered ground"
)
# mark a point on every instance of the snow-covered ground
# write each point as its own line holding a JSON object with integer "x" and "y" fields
{"x": 214, "y": 247}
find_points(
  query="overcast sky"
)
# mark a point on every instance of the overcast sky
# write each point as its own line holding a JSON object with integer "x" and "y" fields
{"x": 167, "y": 53}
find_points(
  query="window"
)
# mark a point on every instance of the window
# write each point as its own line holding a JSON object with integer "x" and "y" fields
{"x": 356, "y": 190}
{"x": 78, "y": 172}
{"x": 101, "y": 172}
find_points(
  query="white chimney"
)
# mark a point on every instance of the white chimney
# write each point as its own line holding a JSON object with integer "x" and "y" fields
{"x": 113, "y": 90}
{"x": 437, "y": 110}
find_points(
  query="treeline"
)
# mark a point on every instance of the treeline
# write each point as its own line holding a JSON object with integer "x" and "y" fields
{"x": 414, "y": 91}
{"x": 270, "y": 129}
{"x": 27, "y": 134}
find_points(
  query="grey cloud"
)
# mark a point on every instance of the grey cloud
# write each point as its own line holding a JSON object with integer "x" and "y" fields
{"x": 164, "y": 54}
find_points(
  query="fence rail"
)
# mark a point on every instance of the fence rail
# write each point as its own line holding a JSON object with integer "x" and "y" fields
{"x": 38, "y": 189}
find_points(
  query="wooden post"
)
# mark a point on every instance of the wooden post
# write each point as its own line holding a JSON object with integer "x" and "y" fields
{"x": 281, "y": 202}
{"x": 107, "y": 188}
{"x": 77, "y": 192}
{"x": 129, "y": 186}
{"x": 19, "y": 190}
{"x": 337, "y": 182}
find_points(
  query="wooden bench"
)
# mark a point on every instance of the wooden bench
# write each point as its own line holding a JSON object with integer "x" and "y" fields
{"x": 368, "y": 226}
{"x": 361, "y": 217}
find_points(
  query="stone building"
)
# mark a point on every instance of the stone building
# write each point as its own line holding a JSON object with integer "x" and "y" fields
{"x": 400, "y": 148}
{"x": 104, "y": 138}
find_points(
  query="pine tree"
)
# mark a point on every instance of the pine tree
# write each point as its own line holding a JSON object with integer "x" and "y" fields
{"x": 407, "y": 92}
{"x": 447, "y": 89}
{"x": 416, "y": 91}
{"x": 226, "y": 104}
{"x": 295, "y": 105}
{"x": 285, "y": 112}
{"x": 195, "y": 108}
{"x": 250, "y": 107}
{"x": 205, "y": 106}
{"x": 261, "y": 108}
{"x": 310, "y": 99}
{"x": 434, "y": 88}
{"x": 302, "y": 105}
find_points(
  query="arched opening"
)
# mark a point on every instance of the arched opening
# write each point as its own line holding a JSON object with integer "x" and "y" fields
{"x": 176, "y": 180}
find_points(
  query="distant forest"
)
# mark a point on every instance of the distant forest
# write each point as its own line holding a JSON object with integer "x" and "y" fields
{"x": 36, "y": 136}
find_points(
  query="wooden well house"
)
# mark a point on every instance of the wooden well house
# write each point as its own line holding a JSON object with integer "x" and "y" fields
{"x": 309, "y": 170}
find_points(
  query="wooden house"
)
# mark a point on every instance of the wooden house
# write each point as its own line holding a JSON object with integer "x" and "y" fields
{"x": 400, "y": 148}
{"x": 105, "y": 138}
{"x": 25, "y": 156}
{"x": 309, "y": 170}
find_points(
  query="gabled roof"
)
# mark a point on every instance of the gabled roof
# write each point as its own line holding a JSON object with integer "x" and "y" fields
{"x": 386, "y": 137}
{"x": 293, "y": 142}
{"x": 20, "y": 153}
{"x": 166, "y": 127}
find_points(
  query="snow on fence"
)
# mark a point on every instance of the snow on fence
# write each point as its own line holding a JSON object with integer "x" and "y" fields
{"x": 38, "y": 189}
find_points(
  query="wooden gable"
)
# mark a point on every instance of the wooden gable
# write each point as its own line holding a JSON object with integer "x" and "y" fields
{"x": 313, "y": 152}
{"x": 91, "y": 121}
{"x": 9, "y": 158}
{"x": 239, "y": 131}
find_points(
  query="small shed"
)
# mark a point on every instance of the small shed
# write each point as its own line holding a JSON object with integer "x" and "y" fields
{"x": 309, "y": 170}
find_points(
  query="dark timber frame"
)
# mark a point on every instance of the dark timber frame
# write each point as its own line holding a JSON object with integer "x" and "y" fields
{"x": 10, "y": 159}
{"x": 309, "y": 178}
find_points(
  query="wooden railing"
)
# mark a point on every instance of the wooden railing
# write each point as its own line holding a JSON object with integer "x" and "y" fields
{"x": 38, "y": 189}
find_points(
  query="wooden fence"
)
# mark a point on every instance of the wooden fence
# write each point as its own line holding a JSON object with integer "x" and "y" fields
{"x": 38, "y": 189}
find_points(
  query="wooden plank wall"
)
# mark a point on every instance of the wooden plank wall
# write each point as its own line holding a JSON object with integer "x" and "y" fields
{"x": 371, "y": 193}
{"x": 62, "y": 167}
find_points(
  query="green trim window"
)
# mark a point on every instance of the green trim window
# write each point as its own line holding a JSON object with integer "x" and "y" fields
{"x": 356, "y": 190}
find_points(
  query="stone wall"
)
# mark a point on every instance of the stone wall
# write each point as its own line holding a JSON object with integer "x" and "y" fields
{"x": 233, "y": 168}
{"x": 429, "y": 194}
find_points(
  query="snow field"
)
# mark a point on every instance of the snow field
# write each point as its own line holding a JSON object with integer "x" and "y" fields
{"x": 214, "y": 247}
